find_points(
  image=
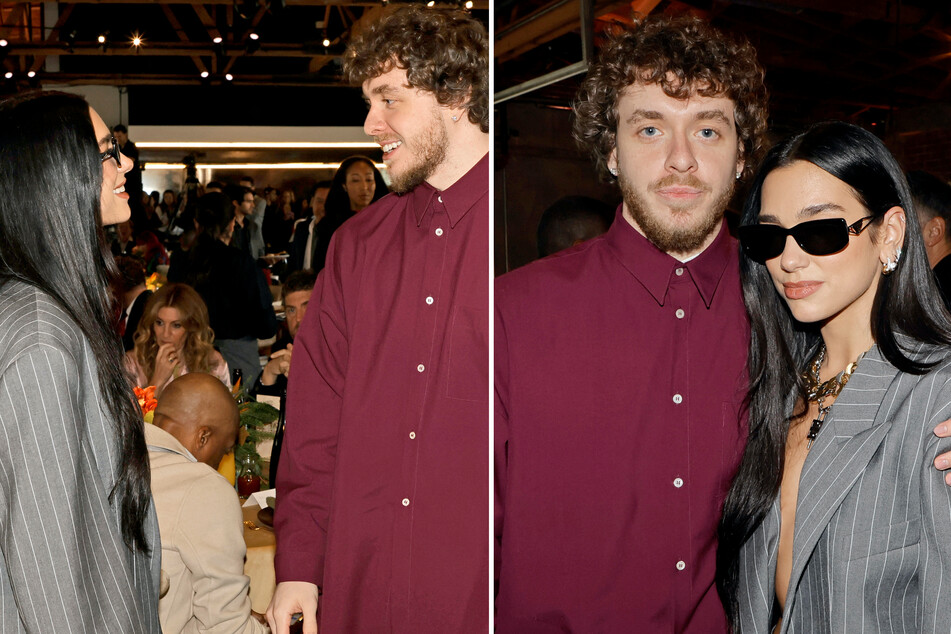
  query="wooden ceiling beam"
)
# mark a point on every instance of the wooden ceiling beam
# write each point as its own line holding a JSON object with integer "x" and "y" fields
{"x": 176, "y": 25}
{"x": 53, "y": 37}
{"x": 153, "y": 49}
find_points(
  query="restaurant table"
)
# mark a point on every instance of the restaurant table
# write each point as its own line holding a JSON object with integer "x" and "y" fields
{"x": 259, "y": 564}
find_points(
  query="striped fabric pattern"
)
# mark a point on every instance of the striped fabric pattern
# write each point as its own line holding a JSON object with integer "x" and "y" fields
{"x": 872, "y": 544}
{"x": 63, "y": 564}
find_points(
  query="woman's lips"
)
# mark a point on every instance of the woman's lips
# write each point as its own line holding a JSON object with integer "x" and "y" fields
{"x": 800, "y": 290}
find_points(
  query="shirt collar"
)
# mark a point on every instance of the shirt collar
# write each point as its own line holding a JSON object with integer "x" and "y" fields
{"x": 459, "y": 197}
{"x": 157, "y": 439}
{"x": 655, "y": 269}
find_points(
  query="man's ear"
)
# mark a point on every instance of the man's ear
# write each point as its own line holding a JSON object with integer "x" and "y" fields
{"x": 934, "y": 231}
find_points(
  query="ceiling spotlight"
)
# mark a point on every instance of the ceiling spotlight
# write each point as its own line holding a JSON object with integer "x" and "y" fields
{"x": 204, "y": 74}
{"x": 102, "y": 39}
{"x": 326, "y": 42}
{"x": 8, "y": 74}
{"x": 468, "y": 4}
{"x": 31, "y": 74}
{"x": 431, "y": 3}
{"x": 136, "y": 40}
{"x": 217, "y": 40}
{"x": 254, "y": 36}
{"x": 229, "y": 76}
{"x": 3, "y": 42}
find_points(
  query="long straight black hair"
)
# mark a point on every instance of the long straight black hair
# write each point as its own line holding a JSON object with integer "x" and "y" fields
{"x": 50, "y": 220}
{"x": 907, "y": 303}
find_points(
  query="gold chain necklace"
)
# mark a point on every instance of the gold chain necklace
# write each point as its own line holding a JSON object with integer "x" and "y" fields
{"x": 818, "y": 392}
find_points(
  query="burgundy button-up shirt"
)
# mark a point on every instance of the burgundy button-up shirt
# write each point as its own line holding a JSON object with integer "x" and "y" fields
{"x": 620, "y": 376}
{"x": 382, "y": 483}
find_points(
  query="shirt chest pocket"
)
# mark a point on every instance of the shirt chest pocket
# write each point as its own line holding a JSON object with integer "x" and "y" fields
{"x": 883, "y": 539}
{"x": 469, "y": 354}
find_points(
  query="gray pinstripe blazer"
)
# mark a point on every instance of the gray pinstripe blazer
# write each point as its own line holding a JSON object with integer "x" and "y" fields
{"x": 63, "y": 565}
{"x": 872, "y": 544}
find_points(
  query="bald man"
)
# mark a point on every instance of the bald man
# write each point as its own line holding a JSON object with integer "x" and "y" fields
{"x": 195, "y": 425}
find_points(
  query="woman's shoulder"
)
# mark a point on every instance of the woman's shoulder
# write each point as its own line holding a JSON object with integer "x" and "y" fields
{"x": 29, "y": 316}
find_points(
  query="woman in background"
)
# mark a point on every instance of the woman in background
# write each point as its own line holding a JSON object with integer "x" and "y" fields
{"x": 357, "y": 183}
{"x": 79, "y": 542}
{"x": 837, "y": 521}
{"x": 173, "y": 338}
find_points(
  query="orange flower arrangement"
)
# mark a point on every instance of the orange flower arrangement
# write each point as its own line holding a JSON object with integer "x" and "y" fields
{"x": 147, "y": 402}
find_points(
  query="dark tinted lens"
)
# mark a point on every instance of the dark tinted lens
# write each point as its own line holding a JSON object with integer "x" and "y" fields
{"x": 822, "y": 237}
{"x": 762, "y": 242}
{"x": 815, "y": 237}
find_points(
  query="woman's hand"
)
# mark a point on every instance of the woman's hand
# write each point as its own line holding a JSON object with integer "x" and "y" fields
{"x": 166, "y": 363}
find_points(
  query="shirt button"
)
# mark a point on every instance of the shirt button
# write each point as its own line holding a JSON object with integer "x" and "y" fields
{"x": 412, "y": 435}
{"x": 429, "y": 300}
{"x": 680, "y": 313}
{"x": 678, "y": 399}
{"x": 679, "y": 271}
{"x": 422, "y": 367}
{"x": 678, "y": 482}
{"x": 438, "y": 231}
{"x": 680, "y": 565}
{"x": 406, "y": 503}
{"x": 439, "y": 198}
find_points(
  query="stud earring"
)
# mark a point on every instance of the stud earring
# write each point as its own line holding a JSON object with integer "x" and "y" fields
{"x": 613, "y": 171}
{"x": 455, "y": 118}
{"x": 738, "y": 174}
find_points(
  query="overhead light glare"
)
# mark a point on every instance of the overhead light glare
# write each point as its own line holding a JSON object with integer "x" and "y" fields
{"x": 31, "y": 74}
{"x": 468, "y": 4}
{"x": 136, "y": 41}
{"x": 204, "y": 74}
{"x": 431, "y": 4}
{"x": 326, "y": 42}
{"x": 3, "y": 42}
{"x": 229, "y": 76}
{"x": 8, "y": 74}
{"x": 217, "y": 40}
{"x": 254, "y": 36}
{"x": 102, "y": 39}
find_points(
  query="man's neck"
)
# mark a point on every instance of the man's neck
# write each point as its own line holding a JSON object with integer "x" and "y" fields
{"x": 467, "y": 145}
{"x": 938, "y": 252}
{"x": 683, "y": 256}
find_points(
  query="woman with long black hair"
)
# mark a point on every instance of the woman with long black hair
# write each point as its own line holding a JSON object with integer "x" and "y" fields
{"x": 357, "y": 183}
{"x": 837, "y": 521}
{"x": 79, "y": 544}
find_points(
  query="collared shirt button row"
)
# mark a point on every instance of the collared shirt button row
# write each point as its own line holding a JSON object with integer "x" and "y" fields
{"x": 420, "y": 367}
{"x": 680, "y": 565}
{"x": 680, "y": 313}
{"x": 679, "y": 271}
{"x": 678, "y": 399}
{"x": 406, "y": 503}
{"x": 430, "y": 300}
{"x": 438, "y": 231}
{"x": 678, "y": 482}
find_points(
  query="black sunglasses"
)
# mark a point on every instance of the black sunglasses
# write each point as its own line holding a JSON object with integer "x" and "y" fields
{"x": 815, "y": 237}
{"x": 112, "y": 152}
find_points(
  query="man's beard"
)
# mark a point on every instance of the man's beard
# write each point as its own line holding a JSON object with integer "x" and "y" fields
{"x": 429, "y": 151}
{"x": 670, "y": 238}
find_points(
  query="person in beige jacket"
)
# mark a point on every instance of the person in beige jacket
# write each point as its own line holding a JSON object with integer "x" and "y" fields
{"x": 203, "y": 550}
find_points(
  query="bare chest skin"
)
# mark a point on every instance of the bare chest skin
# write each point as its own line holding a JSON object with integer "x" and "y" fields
{"x": 796, "y": 453}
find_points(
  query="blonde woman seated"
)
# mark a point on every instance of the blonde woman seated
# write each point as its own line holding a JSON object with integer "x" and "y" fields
{"x": 173, "y": 338}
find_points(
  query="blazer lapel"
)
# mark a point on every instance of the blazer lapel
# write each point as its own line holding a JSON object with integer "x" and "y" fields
{"x": 842, "y": 450}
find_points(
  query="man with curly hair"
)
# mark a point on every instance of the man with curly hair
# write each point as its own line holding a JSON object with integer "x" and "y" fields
{"x": 382, "y": 483}
{"x": 620, "y": 363}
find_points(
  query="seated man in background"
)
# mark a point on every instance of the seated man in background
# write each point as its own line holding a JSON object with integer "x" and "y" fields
{"x": 133, "y": 295}
{"x": 295, "y": 297}
{"x": 273, "y": 379}
{"x": 203, "y": 550}
{"x": 571, "y": 220}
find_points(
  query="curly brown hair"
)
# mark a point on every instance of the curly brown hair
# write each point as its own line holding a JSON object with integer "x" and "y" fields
{"x": 684, "y": 56}
{"x": 198, "y": 350}
{"x": 445, "y": 52}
